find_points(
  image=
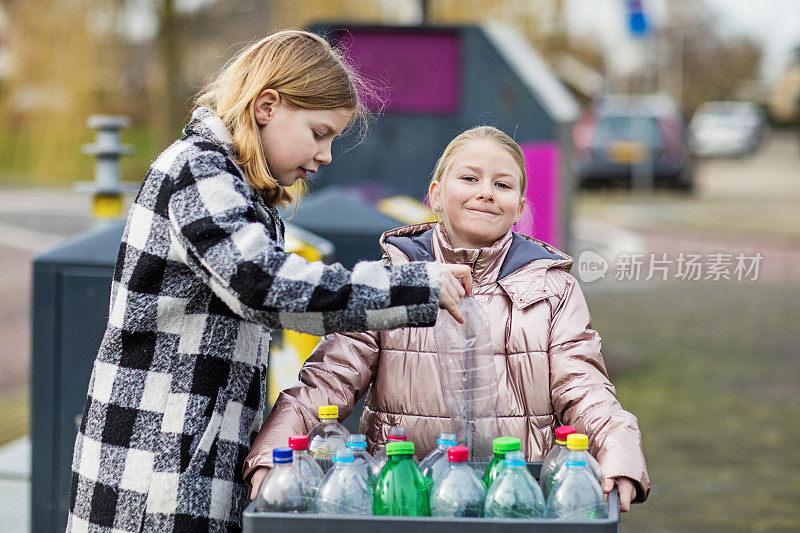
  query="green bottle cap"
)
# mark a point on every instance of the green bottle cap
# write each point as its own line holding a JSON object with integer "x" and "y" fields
{"x": 506, "y": 444}
{"x": 400, "y": 448}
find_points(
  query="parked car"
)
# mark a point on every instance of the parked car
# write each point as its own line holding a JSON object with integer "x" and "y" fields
{"x": 633, "y": 139}
{"x": 727, "y": 128}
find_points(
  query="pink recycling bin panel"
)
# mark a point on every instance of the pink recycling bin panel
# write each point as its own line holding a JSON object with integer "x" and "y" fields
{"x": 541, "y": 218}
{"x": 422, "y": 69}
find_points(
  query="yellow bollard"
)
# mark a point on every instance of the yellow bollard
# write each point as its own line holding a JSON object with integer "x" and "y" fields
{"x": 107, "y": 205}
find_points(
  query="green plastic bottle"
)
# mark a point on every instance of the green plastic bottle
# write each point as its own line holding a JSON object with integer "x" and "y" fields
{"x": 401, "y": 489}
{"x": 500, "y": 446}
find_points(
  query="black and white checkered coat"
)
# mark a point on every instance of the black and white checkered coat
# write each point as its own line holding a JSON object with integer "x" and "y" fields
{"x": 176, "y": 392}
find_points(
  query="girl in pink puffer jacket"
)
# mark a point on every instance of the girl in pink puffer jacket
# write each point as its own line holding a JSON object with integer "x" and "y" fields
{"x": 549, "y": 366}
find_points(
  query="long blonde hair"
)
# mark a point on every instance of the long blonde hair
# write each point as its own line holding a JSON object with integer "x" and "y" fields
{"x": 482, "y": 133}
{"x": 304, "y": 70}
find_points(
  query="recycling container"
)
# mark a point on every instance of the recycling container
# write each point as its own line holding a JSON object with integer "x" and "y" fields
{"x": 262, "y": 522}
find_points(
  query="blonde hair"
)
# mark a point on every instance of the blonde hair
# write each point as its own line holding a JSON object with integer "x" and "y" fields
{"x": 304, "y": 70}
{"x": 482, "y": 133}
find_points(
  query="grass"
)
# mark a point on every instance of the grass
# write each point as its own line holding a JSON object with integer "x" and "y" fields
{"x": 14, "y": 416}
{"x": 711, "y": 371}
{"x": 26, "y": 160}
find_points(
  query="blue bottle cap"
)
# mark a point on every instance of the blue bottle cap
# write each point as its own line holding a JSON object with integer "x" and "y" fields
{"x": 515, "y": 459}
{"x": 343, "y": 455}
{"x": 357, "y": 441}
{"x": 282, "y": 455}
{"x": 448, "y": 439}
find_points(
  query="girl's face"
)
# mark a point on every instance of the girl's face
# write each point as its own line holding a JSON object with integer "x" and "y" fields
{"x": 480, "y": 194}
{"x": 296, "y": 141}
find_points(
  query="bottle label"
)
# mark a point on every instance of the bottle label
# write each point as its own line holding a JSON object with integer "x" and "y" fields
{"x": 322, "y": 448}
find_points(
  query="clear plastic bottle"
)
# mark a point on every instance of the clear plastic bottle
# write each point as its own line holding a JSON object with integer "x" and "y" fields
{"x": 283, "y": 490}
{"x": 435, "y": 464}
{"x": 557, "y": 474}
{"x": 401, "y": 489}
{"x": 302, "y": 461}
{"x": 327, "y": 436}
{"x": 555, "y": 456}
{"x": 577, "y": 494}
{"x": 500, "y": 447}
{"x": 469, "y": 377}
{"x": 395, "y": 434}
{"x": 363, "y": 462}
{"x": 515, "y": 493}
{"x": 460, "y": 492}
{"x": 344, "y": 490}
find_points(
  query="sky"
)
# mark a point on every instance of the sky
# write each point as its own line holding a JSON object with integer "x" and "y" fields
{"x": 775, "y": 23}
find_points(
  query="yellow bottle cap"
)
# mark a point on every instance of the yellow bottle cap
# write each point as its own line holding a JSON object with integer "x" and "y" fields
{"x": 577, "y": 441}
{"x": 329, "y": 411}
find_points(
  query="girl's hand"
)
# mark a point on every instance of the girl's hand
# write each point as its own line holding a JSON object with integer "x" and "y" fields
{"x": 625, "y": 488}
{"x": 456, "y": 281}
{"x": 256, "y": 479}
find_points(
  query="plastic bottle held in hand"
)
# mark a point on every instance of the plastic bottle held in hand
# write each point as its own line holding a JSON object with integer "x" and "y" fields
{"x": 501, "y": 446}
{"x": 363, "y": 461}
{"x": 401, "y": 489}
{"x": 460, "y": 492}
{"x": 283, "y": 490}
{"x": 395, "y": 434}
{"x": 515, "y": 493}
{"x": 555, "y": 456}
{"x": 435, "y": 464}
{"x": 344, "y": 490}
{"x": 469, "y": 378}
{"x": 557, "y": 473}
{"x": 305, "y": 465}
{"x": 577, "y": 494}
{"x": 327, "y": 436}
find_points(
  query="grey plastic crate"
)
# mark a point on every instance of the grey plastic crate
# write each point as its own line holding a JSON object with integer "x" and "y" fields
{"x": 260, "y": 522}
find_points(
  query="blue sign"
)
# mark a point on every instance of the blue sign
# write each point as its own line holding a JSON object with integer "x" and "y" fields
{"x": 637, "y": 21}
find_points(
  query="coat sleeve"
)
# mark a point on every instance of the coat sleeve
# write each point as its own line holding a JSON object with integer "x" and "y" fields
{"x": 338, "y": 372}
{"x": 583, "y": 396}
{"x": 215, "y": 228}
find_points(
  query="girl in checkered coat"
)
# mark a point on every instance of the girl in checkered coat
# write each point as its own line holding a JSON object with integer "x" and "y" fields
{"x": 176, "y": 392}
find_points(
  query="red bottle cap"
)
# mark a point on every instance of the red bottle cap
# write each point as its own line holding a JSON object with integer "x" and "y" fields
{"x": 397, "y": 434}
{"x": 298, "y": 442}
{"x": 457, "y": 454}
{"x": 563, "y": 431}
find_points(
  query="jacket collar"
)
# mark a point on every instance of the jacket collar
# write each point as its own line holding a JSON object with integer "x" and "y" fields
{"x": 417, "y": 243}
{"x": 206, "y": 124}
{"x": 485, "y": 262}
{"x": 517, "y": 262}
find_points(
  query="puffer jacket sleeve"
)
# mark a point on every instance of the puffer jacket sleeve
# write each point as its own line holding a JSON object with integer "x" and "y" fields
{"x": 338, "y": 372}
{"x": 215, "y": 228}
{"x": 583, "y": 396}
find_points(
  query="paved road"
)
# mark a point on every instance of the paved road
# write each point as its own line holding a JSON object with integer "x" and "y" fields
{"x": 745, "y": 205}
{"x": 31, "y": 220}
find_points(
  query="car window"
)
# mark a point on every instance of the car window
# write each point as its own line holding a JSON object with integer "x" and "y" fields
{"x": 627, "y": 128}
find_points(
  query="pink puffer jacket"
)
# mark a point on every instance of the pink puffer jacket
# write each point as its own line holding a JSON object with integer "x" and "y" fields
{"x": 549, "y": 367}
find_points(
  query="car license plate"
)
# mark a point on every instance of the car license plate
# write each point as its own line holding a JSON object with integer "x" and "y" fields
{"x": 626, "y": 152}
